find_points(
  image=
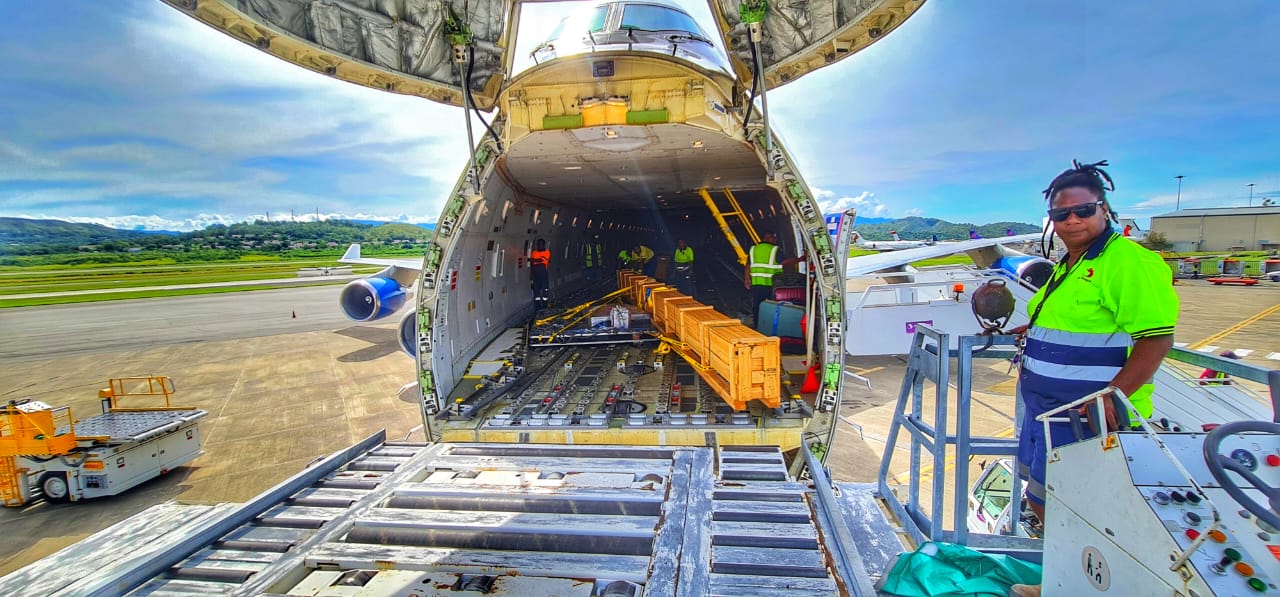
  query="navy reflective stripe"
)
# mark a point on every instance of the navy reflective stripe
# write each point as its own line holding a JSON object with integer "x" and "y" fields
{"x": 1059, "y": 371}
{"x": 1051, "y": 391}
{"x": 1081, "y": 339}
{"x": 1074, "y": 355}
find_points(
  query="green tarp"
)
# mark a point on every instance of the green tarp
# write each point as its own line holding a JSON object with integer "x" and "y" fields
{"x": 947, "y": 570}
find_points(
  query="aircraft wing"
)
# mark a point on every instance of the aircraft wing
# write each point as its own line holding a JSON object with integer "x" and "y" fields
{"x": 353, "y": 256}
{"x": 866, "y": 264}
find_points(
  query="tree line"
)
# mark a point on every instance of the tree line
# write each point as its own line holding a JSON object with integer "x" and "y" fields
{"x": 39, "y": 242}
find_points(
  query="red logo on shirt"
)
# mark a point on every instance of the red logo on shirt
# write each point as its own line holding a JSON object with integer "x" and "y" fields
{"x": 1089, "y": 274}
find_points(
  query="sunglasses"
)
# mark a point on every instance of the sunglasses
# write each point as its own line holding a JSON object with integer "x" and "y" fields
{"x": 1082, "y": 211}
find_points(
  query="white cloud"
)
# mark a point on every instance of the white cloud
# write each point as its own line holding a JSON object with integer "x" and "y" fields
{"x": 204, "y": 220}
{"x": 866, "y": 203}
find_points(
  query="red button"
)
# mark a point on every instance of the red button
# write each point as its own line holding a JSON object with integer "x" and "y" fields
{"x": 1273, "y": 460}
{"x": 1193, "y": 534}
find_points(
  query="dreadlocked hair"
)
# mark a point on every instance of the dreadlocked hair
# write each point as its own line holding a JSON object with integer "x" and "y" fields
{"x": 1088, "y": 176}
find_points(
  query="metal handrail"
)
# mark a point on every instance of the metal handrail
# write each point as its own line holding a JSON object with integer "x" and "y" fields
{"x": 930, "y": 361}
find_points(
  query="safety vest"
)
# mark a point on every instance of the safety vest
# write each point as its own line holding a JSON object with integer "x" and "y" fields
{"x": 644, "y": 255}
{"x": 594, "y": 255}
{"x": 764, "y": 264}
{"x": 542, "y": 258}
{"x": 1118, "y": 292}
{"x": 684, "y": 255}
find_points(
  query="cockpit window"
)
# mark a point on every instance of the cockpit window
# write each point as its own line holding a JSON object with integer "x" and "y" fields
{"x": 592, "y": 22}
{"x": 647, "y": 17}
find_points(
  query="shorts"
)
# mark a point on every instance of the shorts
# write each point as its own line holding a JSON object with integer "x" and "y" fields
{"x": 1032, "y": 449}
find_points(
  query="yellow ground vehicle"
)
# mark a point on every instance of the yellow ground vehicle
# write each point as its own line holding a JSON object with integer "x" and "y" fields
{"x": 41, "y": 448}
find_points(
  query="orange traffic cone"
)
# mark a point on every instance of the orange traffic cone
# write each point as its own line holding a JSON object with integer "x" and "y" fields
{"x": 811, "y": 380}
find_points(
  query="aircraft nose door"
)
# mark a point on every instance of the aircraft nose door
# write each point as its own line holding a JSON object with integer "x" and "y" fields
{"x": 401, "y": 47}
{"x": 805, "y": 35}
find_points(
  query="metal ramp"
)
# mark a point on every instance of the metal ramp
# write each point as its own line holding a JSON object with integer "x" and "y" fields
{"x": 172, "y": 549}
{"x": 517, "y": 519}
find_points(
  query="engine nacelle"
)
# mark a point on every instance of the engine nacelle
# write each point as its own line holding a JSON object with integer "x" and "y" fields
{"x": 372, "y": 298}
{"x": 1035, "y": 271}
{"x": 408, "y": 333}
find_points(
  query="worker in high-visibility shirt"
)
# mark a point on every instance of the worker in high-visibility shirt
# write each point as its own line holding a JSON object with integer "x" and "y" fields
{"x": 624, "y": 260}
{"x": 642, "y": 259}
{"x": 1104, "y": 320}
{"x": 539, "y": 262}
{"x": 763, "y": 263}
{"x": 593, "y": 258}
{"x": 683, "y": 277}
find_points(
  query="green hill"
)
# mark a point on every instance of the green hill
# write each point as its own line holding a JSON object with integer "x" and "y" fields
{"x": 19, "y": 236}
{"x": 19, "y": 231}
{"x": 917, "y": 228}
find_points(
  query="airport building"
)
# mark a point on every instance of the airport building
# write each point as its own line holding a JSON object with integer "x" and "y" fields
{"x": 1221, "y": 228}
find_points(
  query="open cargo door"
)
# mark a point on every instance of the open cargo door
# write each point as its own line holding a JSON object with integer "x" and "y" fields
{"x": 402, "y": 46}
{"x": 801, "y": 36}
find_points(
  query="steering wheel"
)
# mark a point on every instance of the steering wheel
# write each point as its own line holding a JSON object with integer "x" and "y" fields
{"x": 1220, "y": 464}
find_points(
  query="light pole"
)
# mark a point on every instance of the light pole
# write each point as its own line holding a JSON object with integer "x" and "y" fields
{"x": 1178, "y": 205}
{"x": 1250, "y": 185}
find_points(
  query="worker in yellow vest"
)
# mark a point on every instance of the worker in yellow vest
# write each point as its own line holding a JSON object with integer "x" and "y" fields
{"x": 763, "y": 262}
{"x": 683, "y": 278}
{"x": 593, "y": 258}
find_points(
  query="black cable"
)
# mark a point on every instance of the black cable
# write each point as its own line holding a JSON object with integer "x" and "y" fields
{"x": 755, "y": 85}
{"x": 466, "y": 88}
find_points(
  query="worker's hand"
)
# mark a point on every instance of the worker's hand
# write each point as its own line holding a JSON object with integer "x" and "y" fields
{"x": 1018, "y": 331}
{"x": 1108, "y": 411}
{"x": 747, "y": 285}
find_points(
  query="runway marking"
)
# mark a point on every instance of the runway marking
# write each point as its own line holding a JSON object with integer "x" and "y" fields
{"x": 926, "y": 470}
{"x": 858, "y": 371}
{"x": 1235, "y": 328}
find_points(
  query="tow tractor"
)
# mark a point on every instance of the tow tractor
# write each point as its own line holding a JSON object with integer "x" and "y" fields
{"x": 42, "y": 449}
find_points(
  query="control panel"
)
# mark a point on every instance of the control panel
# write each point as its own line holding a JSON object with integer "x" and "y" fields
{"x": 1242, "y": 555}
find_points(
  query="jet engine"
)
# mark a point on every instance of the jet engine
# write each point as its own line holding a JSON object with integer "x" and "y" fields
{"x": 375, "y": 297}
{"x": 1033, "y": 270}
{"x": 408, "y": 333}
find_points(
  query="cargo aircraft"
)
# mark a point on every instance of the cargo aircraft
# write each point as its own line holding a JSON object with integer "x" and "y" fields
{"x": 574, "y": 452}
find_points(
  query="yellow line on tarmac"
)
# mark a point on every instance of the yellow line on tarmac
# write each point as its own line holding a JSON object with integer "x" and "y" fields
{"x": 926, "y": 470}
{"x": 858, "y": 371}
{"x": 1235, "y": 328}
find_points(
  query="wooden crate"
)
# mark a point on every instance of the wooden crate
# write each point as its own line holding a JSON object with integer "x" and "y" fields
{"x": 675, "y": 315}
{"x": 643, "y": 290}
{"x": 694, "y": 324}
{"x": 625, "y": 276}
{"x": 634, "y": 288}
{"x": 658, "y": 295}
{"x": 749, "y": 362}
{"x": 657, "y": 305}
{"x": 669, "y": 313}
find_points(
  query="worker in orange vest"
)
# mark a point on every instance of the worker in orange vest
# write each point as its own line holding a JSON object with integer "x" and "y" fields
{"x": 539, "y": 260}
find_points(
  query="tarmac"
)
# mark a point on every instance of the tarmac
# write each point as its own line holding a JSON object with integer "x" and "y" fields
{"x": 283, "y": 391}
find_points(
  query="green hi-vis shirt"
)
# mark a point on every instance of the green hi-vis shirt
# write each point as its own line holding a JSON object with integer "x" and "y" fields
{"x": 1116, "y": 293}
{"x": 684, "y": 255}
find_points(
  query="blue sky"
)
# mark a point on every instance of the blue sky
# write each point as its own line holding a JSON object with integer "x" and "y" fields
{"x": 130, "y": 114}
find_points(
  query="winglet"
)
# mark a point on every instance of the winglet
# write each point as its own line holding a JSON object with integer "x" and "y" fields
{"x": 353, "y": 253}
